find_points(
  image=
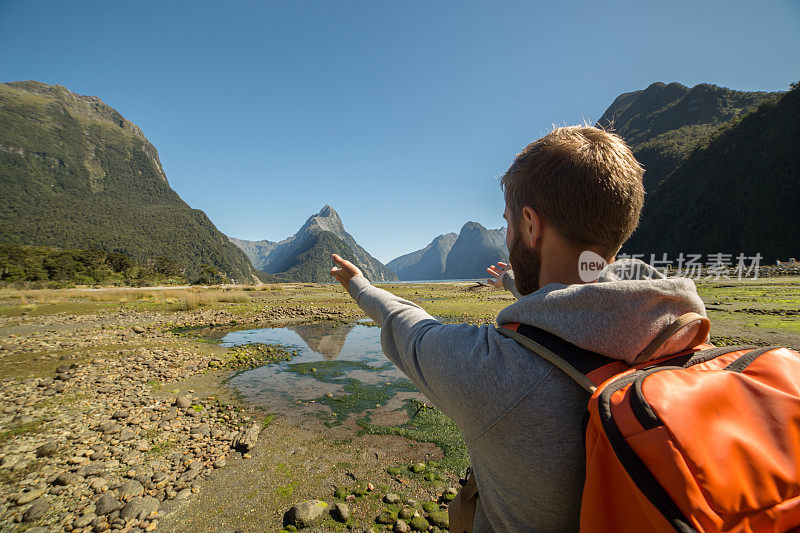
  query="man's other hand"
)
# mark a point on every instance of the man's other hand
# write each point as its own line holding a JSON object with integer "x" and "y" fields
{"x": 497, "y": 273}
{"x": 344, "y": 270}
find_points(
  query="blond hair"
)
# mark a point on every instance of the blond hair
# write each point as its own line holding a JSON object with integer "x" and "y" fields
{"x": 586, "y": 183}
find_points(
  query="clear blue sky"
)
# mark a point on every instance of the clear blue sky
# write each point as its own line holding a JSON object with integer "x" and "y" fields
{"x": 402, "y": 115}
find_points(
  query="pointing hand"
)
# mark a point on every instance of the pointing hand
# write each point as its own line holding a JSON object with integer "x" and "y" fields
{"x": 344, "y": 270}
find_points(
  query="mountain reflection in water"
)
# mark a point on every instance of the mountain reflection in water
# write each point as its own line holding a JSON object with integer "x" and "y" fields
{"x": 337, "y": 352}
{"x": 324, "y": 338}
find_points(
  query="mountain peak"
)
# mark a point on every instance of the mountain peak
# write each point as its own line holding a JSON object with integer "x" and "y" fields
{"x": 327, "y": 211}
{"x": 472, "y": 226}
{"x": 328, "y": 220}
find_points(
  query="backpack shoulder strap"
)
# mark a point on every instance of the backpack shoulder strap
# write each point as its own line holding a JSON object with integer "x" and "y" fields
{"x": 573, "y": 360}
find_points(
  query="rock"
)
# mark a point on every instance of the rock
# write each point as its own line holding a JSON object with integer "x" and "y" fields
{"x": 340, "y": 512}
{"x": 307, "y": 513}
{"x": 139, "y": 508}
{"x": 391, "y": 498}
{"x": 37, "y": 510}
{"x": 84, "y": 520}
{"x": 182, "y": 495}
{"x": 67, "y": 478}
{"x": 182, "y": 402}
{"x": 401, "y": 527}
{"x": 98, "y": 483}
{"x": 430, "y": 507}
{"x": 130, "y": 489}
{"x": 93, "y": 469}
{"x": 138, "y": 329}
{"x": 406, "y": 513}
{"x": 120, "y": 414}
{"x": 386, "y": 517}
{"x": 48, "y": 449}
{"x": 27, "y": 497}
{"x": 220, "y": 462}
{"x": 449, "y": 495}
{"x": 439, "y": 519}
{"x": 418, "y": 524}
{"x": 105, "y": 504}
{"x": 247, "y": 439}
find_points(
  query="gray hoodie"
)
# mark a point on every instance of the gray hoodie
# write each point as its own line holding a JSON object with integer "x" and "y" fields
{"x": 519, "y": 415}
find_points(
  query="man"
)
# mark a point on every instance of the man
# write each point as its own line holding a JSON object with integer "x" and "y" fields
{"x": 574, "y": 191}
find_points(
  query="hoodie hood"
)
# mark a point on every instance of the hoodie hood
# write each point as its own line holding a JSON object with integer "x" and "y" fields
{"x": 618, "y": 316}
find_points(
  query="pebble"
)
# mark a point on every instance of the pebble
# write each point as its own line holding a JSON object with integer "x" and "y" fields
{"x": 307, "y": 513}
{"x": 130, "y": 489}
{"x": 391, "y": 498}
{"x": 106, "y": 503}
{"x": 139, "y": 508}
{"x": 340, "y": 512}
{"x": 182, "y": 402}
{"x": 27, "y": 497}
{"x": 48, "y": 449}
{"x": 37, "y": 510}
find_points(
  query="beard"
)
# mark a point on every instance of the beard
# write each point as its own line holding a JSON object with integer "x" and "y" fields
{"x": 526, "y": 262}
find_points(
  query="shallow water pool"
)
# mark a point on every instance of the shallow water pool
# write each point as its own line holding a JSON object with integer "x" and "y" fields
{"x": 340, "y": 366}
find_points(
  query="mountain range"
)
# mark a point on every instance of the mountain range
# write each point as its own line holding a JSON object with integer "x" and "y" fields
{"x": 451, "y": 256}
{"x": 76, "y": 174}
{"x": 721, "y": 175}
{"x": 305, "y": 256}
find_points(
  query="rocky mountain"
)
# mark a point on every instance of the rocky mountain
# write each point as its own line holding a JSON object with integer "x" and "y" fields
{"x": 74, "y": 173}
{"x": 474, "y": 250}
{"x": 256, "y": 251}
{"x": 738, "y": 193}
{"x": 426, "y": 264}
{"x": 451, "y": 256}
{"x": 664, "y": 123}
{"x": 305, "y": 256}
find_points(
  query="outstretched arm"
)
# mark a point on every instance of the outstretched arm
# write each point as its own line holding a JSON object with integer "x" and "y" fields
{"x": 424, "y": 349}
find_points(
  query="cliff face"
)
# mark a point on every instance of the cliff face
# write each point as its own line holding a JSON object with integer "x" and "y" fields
{"x": 323, "y": 230}
{"x": 426, "y": 264}
{"x": 256, "y": 251}
{"x": 475, "y": 249}
{"x": 77, "y": 174}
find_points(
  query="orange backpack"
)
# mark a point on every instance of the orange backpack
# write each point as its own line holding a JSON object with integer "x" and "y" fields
{"x": 707, "y": 439}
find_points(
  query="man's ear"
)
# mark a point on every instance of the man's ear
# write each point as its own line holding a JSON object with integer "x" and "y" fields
{"x": 532, "y": 226}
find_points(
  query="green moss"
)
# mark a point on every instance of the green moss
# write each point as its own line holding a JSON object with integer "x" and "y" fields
{"x": 439, "y": 518}
{"x": 267, "y": 421}
{"x": 428, "y": 425}
{"x": 417, "y": 467}
{"x": 387, "y": 517}
{"x": 357, "y": 396}
{"x": 418, "y": 524}
{"x": 248, "y": 356}
{"x": 430, "y": 507}
{"x": 20, "y": 429}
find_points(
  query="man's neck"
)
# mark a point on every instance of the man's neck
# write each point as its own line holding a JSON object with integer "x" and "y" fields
{"x": 560, "y": 266}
